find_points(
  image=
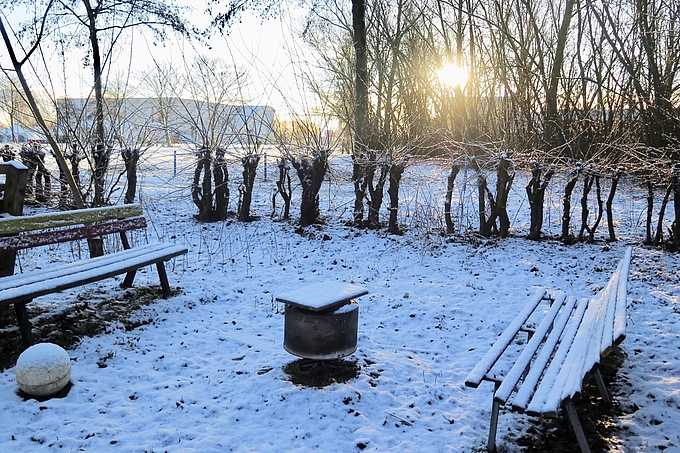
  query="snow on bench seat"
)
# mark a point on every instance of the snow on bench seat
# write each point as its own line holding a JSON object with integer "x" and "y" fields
{"x": 40, "y": 282}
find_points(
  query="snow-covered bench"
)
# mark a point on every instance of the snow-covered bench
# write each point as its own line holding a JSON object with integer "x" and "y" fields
{"x": 23, "y": 232}
{"x": 566, "y": 341}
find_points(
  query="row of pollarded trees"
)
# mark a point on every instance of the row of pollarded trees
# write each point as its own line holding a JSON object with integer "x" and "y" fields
{"x": 589, "y": 194}
{"x": 591, "y": 187}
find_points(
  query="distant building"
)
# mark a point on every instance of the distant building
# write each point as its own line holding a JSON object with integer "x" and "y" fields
{"x": 18, "y": 134}
{"x": 166, "y": 121}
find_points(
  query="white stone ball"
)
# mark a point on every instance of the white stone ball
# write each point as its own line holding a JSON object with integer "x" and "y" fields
{"x": 43, "y": 369}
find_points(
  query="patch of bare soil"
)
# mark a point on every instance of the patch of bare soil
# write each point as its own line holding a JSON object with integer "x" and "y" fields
{"x": 321, "y": 373}
{"x": 90, "y": 314}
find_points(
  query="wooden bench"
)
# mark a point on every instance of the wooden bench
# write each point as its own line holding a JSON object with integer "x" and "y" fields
{"x": 566, "y": 339}
{"x": 24, "y": 232}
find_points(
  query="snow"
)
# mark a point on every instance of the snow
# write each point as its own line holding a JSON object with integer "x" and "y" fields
{"x": 206, "y": 374}
{"x": 42, "y": 354}
{"x": 321, "y": 296}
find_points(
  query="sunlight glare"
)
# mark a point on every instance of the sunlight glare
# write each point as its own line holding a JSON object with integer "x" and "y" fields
{"x": 453, "y": 75}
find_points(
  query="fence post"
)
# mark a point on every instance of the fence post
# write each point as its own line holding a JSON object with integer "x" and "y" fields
{"x": 13, "y": 176}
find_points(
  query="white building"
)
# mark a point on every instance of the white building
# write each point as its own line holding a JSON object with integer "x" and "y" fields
{"x": 132, "y": 121}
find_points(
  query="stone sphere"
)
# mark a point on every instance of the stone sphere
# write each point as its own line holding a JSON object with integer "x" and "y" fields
{"x": 43, "y": 369}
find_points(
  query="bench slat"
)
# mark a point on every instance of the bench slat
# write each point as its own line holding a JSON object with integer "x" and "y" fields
{"x": 18, "y": 224}
{"x": 30, "y": 240}
{"x": 621, "y": 299}
{"x": 487, "y": 362}
{"x": 583, "y": 354}
{"x": 538, "y": 405}
{"x": 513, "y": 376}
{"x": 63, "y": 268}
{"x": 27, "y": 286}
{"x": 530, "y": 382}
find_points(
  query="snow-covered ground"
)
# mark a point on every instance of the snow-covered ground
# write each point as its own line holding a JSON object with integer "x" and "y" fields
{"x": 206, "y": 374}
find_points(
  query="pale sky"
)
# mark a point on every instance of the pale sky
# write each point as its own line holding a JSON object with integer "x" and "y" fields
{"x": 264, "y": 48}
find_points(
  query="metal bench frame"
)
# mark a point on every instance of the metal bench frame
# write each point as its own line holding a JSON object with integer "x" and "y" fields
{"x": 566, "y": 345}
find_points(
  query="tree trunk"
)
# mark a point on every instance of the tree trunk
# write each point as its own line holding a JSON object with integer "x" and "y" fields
{"x": 455, "y": 169}
{"x": 598, "y": 192}
{"x": 311, "y": 172}
{"x": 201, "y": 189}
{"x": 359, "y": 180}
{"x": 485, "y": 222}
{"x": 101, "y": 152}
{"x": 658, "y": 237}
{"x": 360, "y": 107}
{"x": 587, "y": 185}
{"x": 500, "y": 206}
{"x": 610, "y": 202}
{"x": 676, "y": 205}
{"x": 650, "y": 211}
{"x": 536, "y": 194}
{"x": 249, "y": 171}
{"x": 221, "y": 179}
{"x": 485, "y": 228}
{"x": 376, "y": 190}
{"x": 130, "y": 158}
{"x": 554, "y": 135}
{"x": 396, "y": 172}
{"x": 284, "y": 188}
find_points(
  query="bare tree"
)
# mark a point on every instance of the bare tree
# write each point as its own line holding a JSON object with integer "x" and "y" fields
{"x": 536, "y": 193}
{"x": 102, "y": 24}
{"x": 210, "y": 110}
{"x": 307, "y": 143}
{"x": 161, "y": 81}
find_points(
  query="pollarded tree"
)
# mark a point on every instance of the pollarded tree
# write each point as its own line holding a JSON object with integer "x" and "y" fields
{"x": 211, "y": 87}
{"x": 253, "y": 127}
{"x": 493, "y": 208}
{"x": 307, "y": 145}
{"x": 540, "y": 178}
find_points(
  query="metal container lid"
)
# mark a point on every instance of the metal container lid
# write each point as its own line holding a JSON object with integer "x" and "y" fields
{"x": 322, "y": 296}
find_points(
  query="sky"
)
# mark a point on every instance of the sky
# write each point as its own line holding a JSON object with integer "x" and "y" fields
{"x": 264, "y": 47}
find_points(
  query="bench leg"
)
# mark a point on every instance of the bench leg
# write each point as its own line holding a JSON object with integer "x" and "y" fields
{"x": 601, "y": 387}
{"x": 163, "y": 277}
{"x": 24, "y": 323}
{"x": 493, "y": 426}
{"x": 129, "y": 278}
{"x": 576, "y": 425}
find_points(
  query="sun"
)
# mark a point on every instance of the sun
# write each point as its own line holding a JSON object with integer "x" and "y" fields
{"x": 453, "y": 75}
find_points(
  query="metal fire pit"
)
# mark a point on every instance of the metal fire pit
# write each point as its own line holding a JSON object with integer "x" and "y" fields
{"x": 326, "y": 335}
{"x": 321, "y": 321}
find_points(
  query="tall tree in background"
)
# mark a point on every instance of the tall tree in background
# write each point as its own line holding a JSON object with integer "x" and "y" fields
{"x": 555, "y": 136}
{"x": 647, "y": 46}
{"x": 103, "y": 24}
{"x": 361, "y": 125}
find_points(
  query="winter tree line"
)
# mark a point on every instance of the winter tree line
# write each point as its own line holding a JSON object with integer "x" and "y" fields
{"x": 588, "y": 90}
